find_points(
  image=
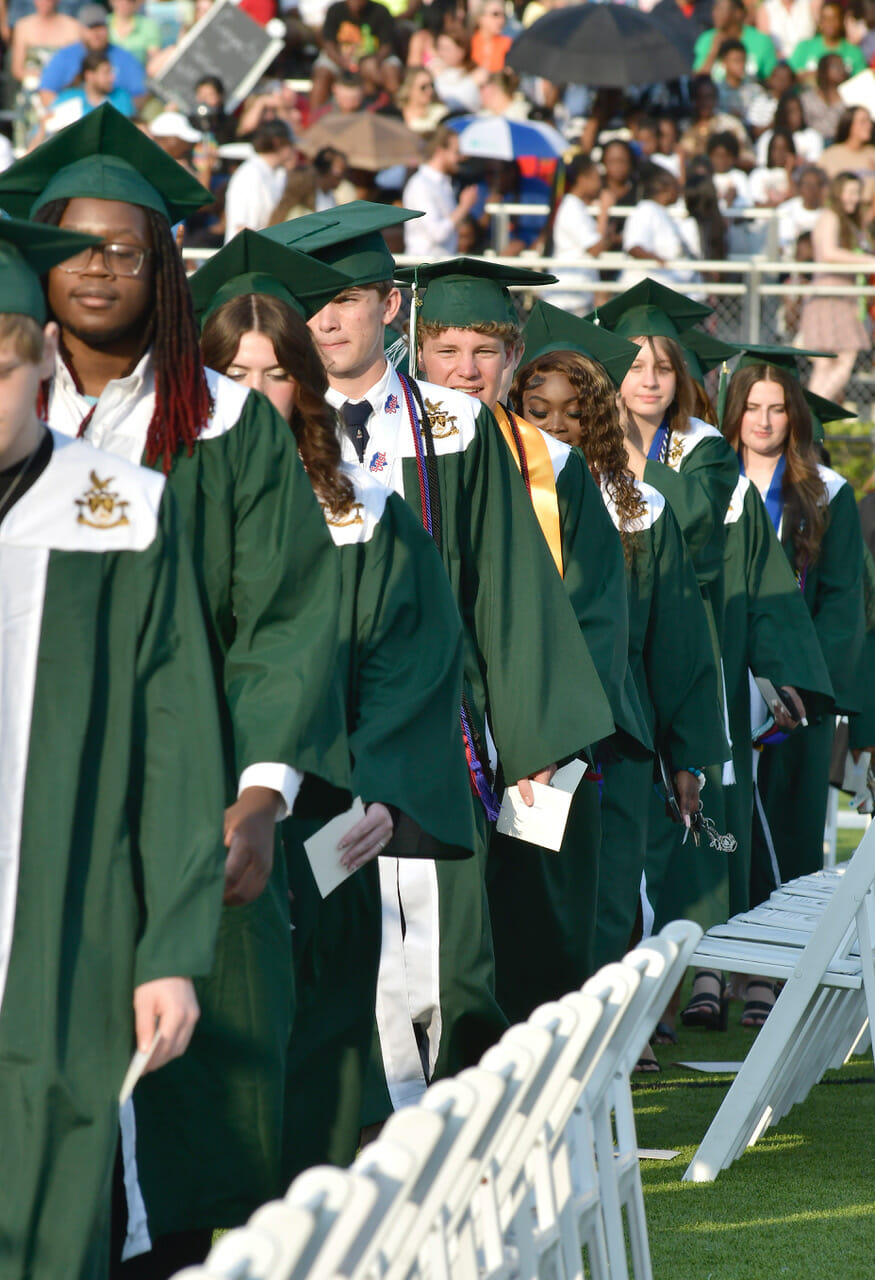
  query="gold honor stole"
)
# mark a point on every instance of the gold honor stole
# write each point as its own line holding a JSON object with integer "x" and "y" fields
{"x": 529, "y": 450}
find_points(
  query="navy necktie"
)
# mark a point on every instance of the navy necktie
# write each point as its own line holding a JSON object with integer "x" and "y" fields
{"x": 354, "y": 418}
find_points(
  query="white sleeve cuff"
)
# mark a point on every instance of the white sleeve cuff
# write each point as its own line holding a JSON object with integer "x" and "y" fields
{"x": 279, "y": 777}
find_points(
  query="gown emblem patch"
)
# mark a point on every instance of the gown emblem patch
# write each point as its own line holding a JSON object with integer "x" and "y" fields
{"x": 353, "y": 516}
{"x": 675, "y": 453}
{"x": 99, "y": 507}
{"x": 442, "y": 424}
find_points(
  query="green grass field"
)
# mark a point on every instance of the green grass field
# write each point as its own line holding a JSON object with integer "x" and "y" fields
{"x": 800, "y": 1203}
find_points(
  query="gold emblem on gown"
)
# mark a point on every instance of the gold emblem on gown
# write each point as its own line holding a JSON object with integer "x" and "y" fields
{"x": 675, "y": 452}
{"x": 353, "y": 516}
{"x": 442, "y": 424}
{"x": 99, "y": 507}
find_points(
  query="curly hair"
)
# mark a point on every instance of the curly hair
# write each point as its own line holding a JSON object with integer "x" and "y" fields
{"x": 312, "y": 421}
{"x": 601, "y": 437}
{"x": 182, "y": 397}
{"x": 806, "y": 508}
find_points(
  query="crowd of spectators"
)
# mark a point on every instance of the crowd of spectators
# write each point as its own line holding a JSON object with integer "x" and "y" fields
{"x": 667, "y": 172}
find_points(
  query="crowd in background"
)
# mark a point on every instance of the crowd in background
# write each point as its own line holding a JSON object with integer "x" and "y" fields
{"x": 668, "y": 172}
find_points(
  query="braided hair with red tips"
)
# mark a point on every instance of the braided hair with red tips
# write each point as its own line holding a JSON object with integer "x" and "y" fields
{"x": 182, "y": 397}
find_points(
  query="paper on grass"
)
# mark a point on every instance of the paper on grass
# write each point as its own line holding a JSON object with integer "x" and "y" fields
{"x": 323, "y": 853}
{"x": 138, "y": 1065}
{"x": 544, "y": 822}
{"x": 656, "y": 1153}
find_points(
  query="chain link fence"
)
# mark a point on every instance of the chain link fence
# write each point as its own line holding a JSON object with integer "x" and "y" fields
{"x": 755, "y": 300}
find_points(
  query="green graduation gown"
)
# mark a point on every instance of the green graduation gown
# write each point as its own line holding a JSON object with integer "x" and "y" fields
{"x": 208, "y": 1147}
{"x": 671, "y": 657}
{"x": 110, "y": 852}
{"x": 543, "y": 904}
{"x": 401, "y": 666}
{"x": 767, "y": 632}
{"x": 527, "y": 669}
{"x": 793, "y": 778}
{"x": 697, "y": 479}
{"x": 861, "y": 734}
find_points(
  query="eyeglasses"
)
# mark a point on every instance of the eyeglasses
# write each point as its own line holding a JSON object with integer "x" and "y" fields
{"x": 426, "y": 84}
{"x": 118, "y": 259}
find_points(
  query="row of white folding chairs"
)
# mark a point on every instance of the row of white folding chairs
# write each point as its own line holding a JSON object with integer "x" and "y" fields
{"x": 524, "y": 1166}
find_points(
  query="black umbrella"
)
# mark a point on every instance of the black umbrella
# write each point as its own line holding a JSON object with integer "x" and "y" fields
{"x": 601, "y": 46}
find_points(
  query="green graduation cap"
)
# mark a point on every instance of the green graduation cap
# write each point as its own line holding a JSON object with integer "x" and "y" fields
{"x": 28, "y": 251}
{"x": 650, "y": 309}
{"x": 703, "y": 352}
{"x": 786, "y": 358}
{"x": 465, "y": 292}
{"x": 550, "y": 329}
{"x": 104, "y": 156}
{"x": 250, "y": 263}
{"x": 781, "y": 357}
{"x": 348, "y": 237}
{"x": 823, "y": 411}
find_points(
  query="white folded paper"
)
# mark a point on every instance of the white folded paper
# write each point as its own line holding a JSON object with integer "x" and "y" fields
{"x": 544, "y": 822}
{"x": 138, "y": 1065}
{"x": 323, "y": 852}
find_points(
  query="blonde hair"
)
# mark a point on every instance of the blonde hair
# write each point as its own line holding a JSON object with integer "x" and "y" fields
{"x": 507, "y": 332}
{"x": 25, "y": 334}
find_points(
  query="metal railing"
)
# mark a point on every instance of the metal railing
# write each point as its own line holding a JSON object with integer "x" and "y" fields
{"x": 747, "y": 296}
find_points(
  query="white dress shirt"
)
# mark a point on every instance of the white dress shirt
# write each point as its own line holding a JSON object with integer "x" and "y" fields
{"x": 251, "y": 196}
{"x": 435, "y": 235}
{"x": 574, "y": 233}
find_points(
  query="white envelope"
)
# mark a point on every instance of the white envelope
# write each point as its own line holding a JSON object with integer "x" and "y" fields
{"x": 323, "y": 853}
{"x": 138, "y": 1065}
{"x": 544, "y": 823}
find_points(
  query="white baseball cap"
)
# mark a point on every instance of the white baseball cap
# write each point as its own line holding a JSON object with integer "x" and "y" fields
{"x": 173, "y": 124}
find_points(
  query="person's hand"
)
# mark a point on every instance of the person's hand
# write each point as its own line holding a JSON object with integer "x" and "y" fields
{"x": 249, "y": 836}
{"x": 468, "y": 198}
{"x": 782, "y": 716}
{"x": 687, "y": 786}
{"x": 367, "y": 838}
{"x": 168, "y": 1005}
{"x": 525, "y": 784}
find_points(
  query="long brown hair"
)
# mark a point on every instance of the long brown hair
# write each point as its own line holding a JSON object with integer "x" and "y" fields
{"x": 312, "y": 420}
{"x": 602, "y": 435}
{"x": 681, "y": 408}
{"x": 852, "y": 230}
{"x": 806, "y": 509}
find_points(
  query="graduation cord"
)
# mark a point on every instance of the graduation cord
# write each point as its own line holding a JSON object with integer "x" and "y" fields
{"x": 429, "y": 493}
{"x": 521, "y": 450}
{"x": 426, "y": 462}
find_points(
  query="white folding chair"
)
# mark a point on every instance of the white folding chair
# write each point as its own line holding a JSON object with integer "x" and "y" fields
{"x": 820, "y": 1016}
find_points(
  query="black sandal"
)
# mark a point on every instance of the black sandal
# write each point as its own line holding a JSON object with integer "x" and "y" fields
{"x": 647, "y": 1064}
{"x": 664, "y": 1034}
{"x": 755, "y": 1012}
{"x": 707, "y": 1009}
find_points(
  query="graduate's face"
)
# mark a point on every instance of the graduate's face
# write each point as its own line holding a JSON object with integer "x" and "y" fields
{"x": 95, "y": 305}
{"x": 551, "y": 402}
{"x": 255, "y": 365}
{"x": 765, "y": 425}
{"x": 348, "y": 331}
{"x": 468, "y": 361}
{"x": 20, "y": 379}
{"x": 649, "y": 387}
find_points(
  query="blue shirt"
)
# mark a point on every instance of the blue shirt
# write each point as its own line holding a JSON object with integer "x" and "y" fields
{"x": 119, "y": 99}
{"x": 64, "y": 67}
